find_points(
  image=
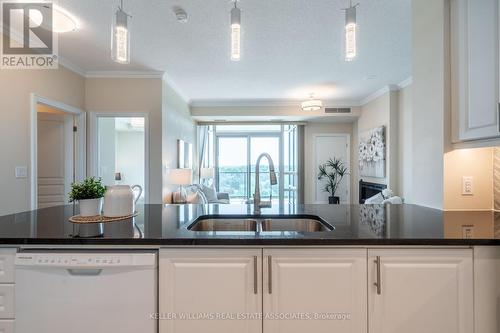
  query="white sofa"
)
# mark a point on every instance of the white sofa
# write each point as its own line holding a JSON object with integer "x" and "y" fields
{"x": 201, "y": 194}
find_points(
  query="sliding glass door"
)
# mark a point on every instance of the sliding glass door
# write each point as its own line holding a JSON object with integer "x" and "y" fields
{"x": 232, "y": 175}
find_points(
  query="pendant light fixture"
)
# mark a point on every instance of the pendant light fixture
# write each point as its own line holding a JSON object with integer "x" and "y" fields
{"x": 312, "y": 104}
{"x": 120, "y": 36}
{"x": 350, "y": 32}
{"x": 235, "y": 32}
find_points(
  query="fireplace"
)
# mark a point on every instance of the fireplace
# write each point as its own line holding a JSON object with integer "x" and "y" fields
{"x": 368, "y": 190}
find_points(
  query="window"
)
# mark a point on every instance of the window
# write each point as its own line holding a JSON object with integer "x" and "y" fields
{"x": 234, "y": 149}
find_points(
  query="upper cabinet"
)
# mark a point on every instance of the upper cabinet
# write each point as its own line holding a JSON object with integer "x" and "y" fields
{"x": 475, "y": 69}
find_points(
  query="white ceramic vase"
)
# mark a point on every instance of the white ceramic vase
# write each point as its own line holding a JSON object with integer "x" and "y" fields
{"x": 119, "y": 200}
{"x": 90, "y": 207}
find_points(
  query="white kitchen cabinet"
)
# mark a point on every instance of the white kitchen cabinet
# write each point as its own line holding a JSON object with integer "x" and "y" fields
{"x": 310, "y": 282}
{"x": 475, "y": 69}
{"x": 7, "y": 257}
{"x": 418, "y": 291}
{"x": 210, "y": 283}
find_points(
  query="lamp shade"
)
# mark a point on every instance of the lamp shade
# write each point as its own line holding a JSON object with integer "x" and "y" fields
{"x": 207, "y": 173}
{"x": 179, "y": 176}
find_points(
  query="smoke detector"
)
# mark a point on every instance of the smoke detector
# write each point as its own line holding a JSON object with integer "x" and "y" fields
{"x": 181, "y": 15}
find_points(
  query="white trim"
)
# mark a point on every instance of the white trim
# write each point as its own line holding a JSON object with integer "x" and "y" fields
{"x": 378, "y": 93}
{"x": 80, "y": 161}
{"x": 71, "y": 66}
{"x": 405, "y": 83}
{"x": 348, "y": 162}
{"x": 93, "y": 158}
{"x": 265, "y": 103}
{"x": 124, "y": 74}
{"x": 167, "y": 80}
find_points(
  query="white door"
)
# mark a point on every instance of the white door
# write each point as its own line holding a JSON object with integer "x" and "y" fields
{"x": 55, "y": 167}
{"x": 420, "y": 291}
{"x": 219, "y": 283}
{"x": 475, "y": 68}
{"x": 330, "y": 146}
{"x": 315, "y": 283}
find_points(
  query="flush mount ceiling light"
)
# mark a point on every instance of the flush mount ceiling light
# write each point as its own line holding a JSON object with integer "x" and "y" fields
{"x": 181, "y": 15}
{"x": 312, "y": 104}
{"x": 235, "y": 32}
{"x": 120, "y": 36}
{"x": 63, "y": 21}
{"x": 350, "y": 32}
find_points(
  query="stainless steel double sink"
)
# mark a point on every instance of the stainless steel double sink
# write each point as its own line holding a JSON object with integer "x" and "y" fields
{"x": 252, "y": 224}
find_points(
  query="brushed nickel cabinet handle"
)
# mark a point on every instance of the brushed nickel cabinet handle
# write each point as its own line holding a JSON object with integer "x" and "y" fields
{"x": 378, "y": 284}
{"x": 255, "y": 282}
{"x": 270, "y": 273}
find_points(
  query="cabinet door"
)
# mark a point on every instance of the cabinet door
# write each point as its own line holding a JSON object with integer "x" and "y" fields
{"x": 313, "y": 290}
{"x": 419, "y": 291}
{"x": 210, "y": 291}
{"x": 475, "y": 71}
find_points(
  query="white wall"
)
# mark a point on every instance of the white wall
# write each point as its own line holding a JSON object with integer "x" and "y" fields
{"x": 477, "y": 163}
{"x": 110, "y": 95}
{"x": 430, "y": 103}
{"x": 177, "y": 123}
{"x": 16, "y": 87}
{"x": 382, "y": 111}
{"x": 405, "y": 153}
{"x": 310, "y": 130}
{"x": 130, "y": 156}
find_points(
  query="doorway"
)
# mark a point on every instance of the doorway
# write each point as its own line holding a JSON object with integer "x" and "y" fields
{"x": 330, "y": 146}
{"x": 120, "y": 150}
{"x": 58, "y": 142}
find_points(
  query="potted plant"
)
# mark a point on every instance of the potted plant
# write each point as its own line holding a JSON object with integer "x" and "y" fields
{"x": 89, "y": 195}
{"x": 334, "y": 171}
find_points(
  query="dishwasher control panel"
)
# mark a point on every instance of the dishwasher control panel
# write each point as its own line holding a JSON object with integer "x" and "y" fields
{"x": 85, "y": 259}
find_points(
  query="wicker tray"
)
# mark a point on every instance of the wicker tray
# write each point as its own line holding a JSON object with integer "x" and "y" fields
{"x": 99, "y": 218}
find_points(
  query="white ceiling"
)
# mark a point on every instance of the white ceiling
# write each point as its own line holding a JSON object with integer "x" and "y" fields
{"x": 290, "y": 47}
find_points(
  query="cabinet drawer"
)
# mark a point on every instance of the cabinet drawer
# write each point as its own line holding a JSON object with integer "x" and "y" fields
{"x": 6, "y": 301}
{"x": 7, "y": 257}
{"x": 6, "y": 326}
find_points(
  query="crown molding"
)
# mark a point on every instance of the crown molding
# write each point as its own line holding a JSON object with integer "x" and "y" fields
{"x": 265, "y": 103}
{"x": 124, "y": 74}
{"x": 405, "y": 83}
{"x": 71, "y": 66}
{"x": 375, "y": 95}
{"x": 175, "y": 87}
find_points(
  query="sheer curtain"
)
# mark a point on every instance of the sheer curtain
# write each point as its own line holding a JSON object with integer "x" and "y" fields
{"x": 202, "y": 146}
{"x": 300, "y": 164}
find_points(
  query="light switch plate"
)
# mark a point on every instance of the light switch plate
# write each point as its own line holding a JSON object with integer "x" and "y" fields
{"x": 21, "y": 172}
{"x": 467, "y": 185}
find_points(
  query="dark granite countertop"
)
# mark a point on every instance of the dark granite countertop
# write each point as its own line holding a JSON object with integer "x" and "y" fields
{"x": 156, "y": 225}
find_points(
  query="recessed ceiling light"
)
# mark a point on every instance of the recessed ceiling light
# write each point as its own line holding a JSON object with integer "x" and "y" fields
{"x": 63, "y": 21}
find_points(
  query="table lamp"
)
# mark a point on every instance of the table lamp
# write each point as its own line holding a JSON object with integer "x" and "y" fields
{"x": 179, "y": 177}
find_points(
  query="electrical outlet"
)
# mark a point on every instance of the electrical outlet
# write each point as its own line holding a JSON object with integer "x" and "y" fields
{"x": 22, "y": 172}
{"x": 467, "y": 185}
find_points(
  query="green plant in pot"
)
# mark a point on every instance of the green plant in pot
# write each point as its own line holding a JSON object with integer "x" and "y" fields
{"x": 89, "y": 194}
{"x": 334, "y": 170}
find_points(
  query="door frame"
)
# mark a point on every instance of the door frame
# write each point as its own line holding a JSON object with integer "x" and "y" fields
{"x": 93, "y": 155}
{"x": 80, "y": 141}
{"x": 314, "y": 167}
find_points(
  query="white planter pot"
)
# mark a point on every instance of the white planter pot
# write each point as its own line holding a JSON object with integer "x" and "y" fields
{"x": 90, "y": 207}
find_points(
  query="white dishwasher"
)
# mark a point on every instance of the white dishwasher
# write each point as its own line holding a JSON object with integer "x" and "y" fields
{"x": 82, "y": 292}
